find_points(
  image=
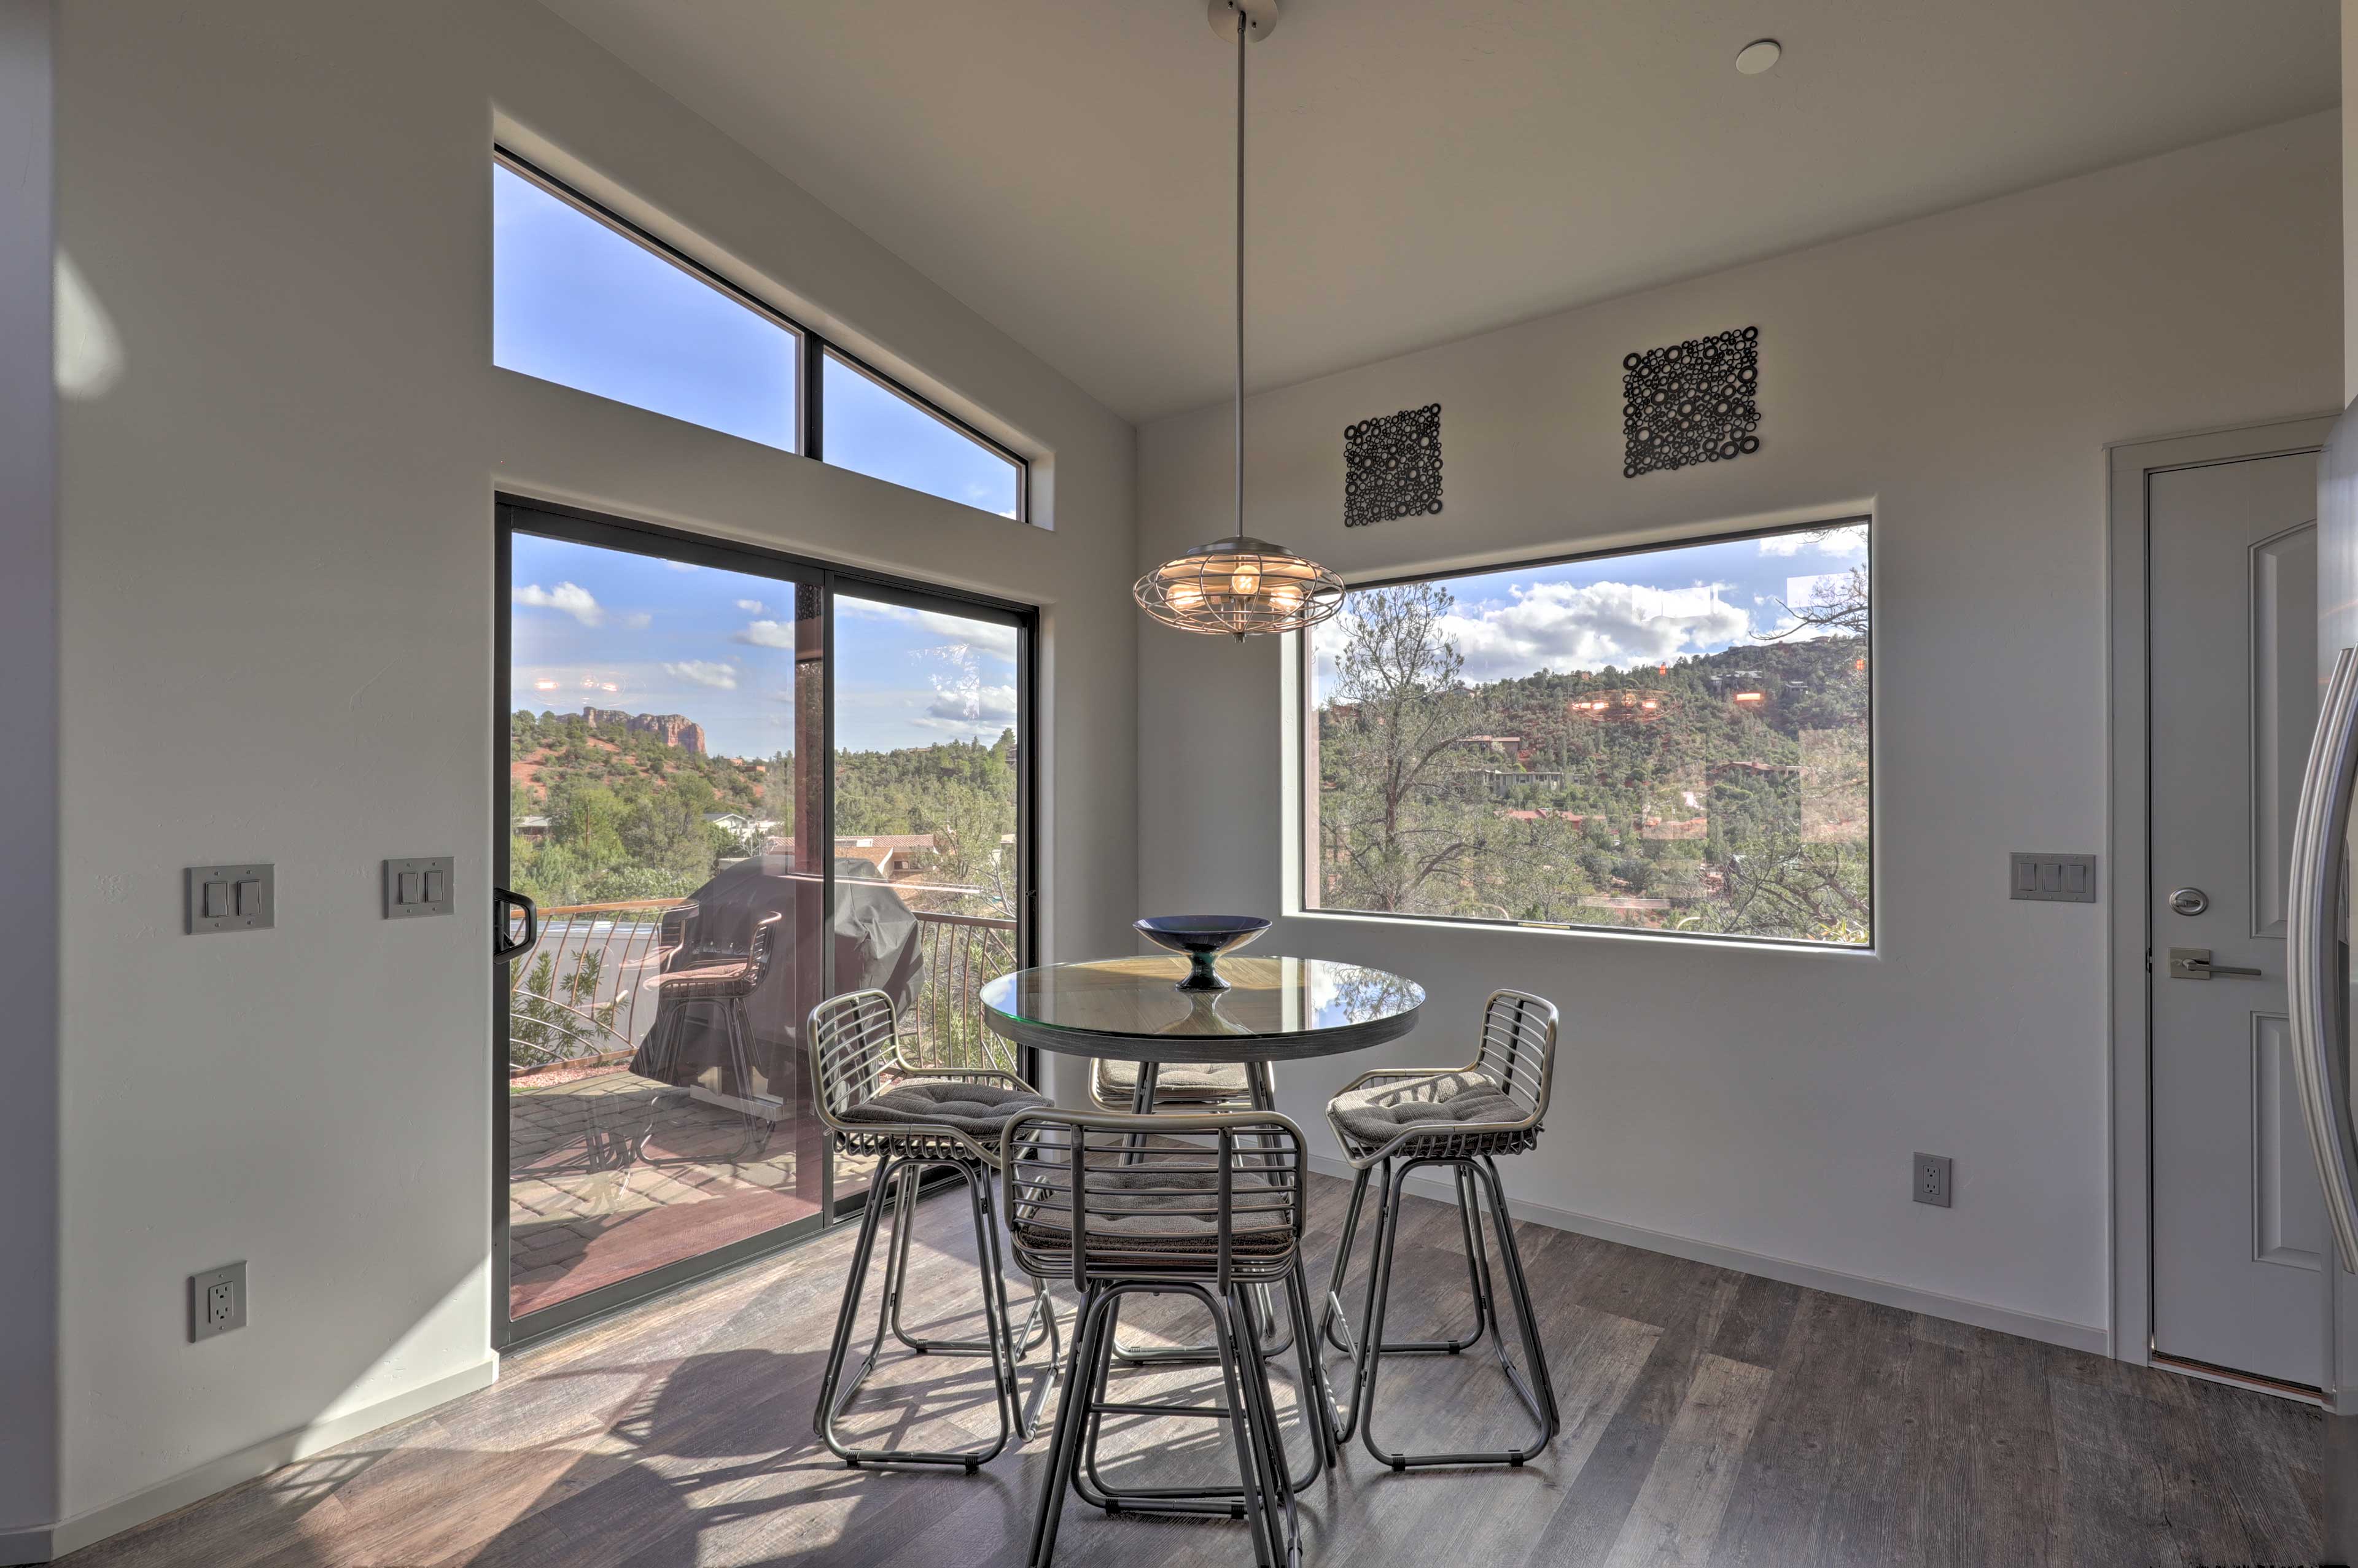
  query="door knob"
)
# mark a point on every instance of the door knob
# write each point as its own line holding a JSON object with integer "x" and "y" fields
{"x": 2190, "y": 901}
{"x": 2194, "y": 964}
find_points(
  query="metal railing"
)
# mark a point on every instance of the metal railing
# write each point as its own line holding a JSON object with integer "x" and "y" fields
{"x": 578, "y": 999}
{"x": 943, "y": 1028}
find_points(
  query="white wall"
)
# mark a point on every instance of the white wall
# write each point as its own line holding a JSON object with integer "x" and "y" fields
{"x": 278, "y": 618}
{"x": 1960, "y": 376}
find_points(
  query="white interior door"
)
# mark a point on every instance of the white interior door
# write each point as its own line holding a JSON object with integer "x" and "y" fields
{"x": 2238, "y": 1220}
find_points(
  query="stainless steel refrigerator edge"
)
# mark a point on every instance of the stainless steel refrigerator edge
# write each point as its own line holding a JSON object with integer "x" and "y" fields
{"x": 2318, "y": 950}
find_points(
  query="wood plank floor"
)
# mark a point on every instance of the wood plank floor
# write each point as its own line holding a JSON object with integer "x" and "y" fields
{"x": 1711, "y": 1418}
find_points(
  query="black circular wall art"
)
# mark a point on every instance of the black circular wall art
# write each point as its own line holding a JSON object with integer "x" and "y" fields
{"x": 1695, "y": 402}
{"x": 1391, "y": 466}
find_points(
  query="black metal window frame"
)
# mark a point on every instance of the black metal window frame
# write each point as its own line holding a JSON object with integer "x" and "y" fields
{"x": 1306, "y": 752}
{"x": 811, "y": 348}
{"x": 544, "y": 519}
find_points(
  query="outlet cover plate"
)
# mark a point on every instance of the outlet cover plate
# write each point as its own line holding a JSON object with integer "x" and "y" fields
{"x": 204, "y": 1322}
{"x": 231, "y": 898}
{"x": 410, "y": 886}
{"x": 1929, "y": 1179}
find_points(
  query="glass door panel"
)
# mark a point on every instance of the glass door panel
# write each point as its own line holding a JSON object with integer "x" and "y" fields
{"x": 665, "y": 734}
{"x": 928, "y": 831}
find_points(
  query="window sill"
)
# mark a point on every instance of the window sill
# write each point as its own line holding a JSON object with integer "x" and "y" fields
{"x": 1592, "y": 933}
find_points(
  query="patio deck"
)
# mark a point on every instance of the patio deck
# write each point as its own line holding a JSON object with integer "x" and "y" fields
{"x": 611, "y": 1175}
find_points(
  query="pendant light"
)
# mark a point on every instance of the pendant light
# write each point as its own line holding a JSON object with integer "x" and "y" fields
{"x": 1241, "y": 585}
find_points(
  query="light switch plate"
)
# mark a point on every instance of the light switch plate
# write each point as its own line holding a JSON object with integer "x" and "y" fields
{"x": 216, "y": 1302}
{"x": 2053, "y": 879}
{"x": 409, "y": 886}
{"x": 243, "y": 898}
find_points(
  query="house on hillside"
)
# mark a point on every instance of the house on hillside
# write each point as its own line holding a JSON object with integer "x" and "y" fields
{"x": 897, "y": 856}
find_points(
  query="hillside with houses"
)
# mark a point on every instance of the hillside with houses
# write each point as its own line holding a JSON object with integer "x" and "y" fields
{"x": 1720, "y": 791}
{"x": 607, "y": 806}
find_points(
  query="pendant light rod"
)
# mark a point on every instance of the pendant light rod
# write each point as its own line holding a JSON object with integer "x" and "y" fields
{"x": 1244, "y": 27}
{"x": 1238, "y": 586}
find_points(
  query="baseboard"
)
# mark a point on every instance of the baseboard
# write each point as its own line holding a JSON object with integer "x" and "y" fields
{"x": 46, "y": 1545}
{"x": 1907, "y": 1298}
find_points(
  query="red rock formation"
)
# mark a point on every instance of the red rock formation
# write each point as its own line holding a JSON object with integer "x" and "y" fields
{"x": 671, "y": 729}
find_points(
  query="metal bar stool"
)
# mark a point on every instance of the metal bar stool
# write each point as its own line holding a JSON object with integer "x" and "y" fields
{"x": 1143, "y": 1087}
{"x": 1211, "y": 1205}
{"x": 1399, "y": 1118}
{"x": 924, "y": 1120}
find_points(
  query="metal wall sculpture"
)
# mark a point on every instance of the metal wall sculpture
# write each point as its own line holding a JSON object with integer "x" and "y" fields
{"x": 1391, "y": 466}
{"x": 1691, "y": 402}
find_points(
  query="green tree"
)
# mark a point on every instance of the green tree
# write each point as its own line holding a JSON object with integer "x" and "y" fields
{"x": 1388, "y": 829}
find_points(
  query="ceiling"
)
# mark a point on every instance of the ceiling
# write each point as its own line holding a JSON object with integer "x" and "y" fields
{"x": 1421, "y": 169}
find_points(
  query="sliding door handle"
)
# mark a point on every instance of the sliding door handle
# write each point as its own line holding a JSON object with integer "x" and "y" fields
{"x": 505, "y": 905}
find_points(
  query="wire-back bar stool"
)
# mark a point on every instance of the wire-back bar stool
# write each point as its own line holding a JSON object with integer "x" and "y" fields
{"x": 912, "y": 1120}
{"x": 1117, "y": 1084}
{"x": 1206, "y": 1206}
{"x": 1398, "y": 1120}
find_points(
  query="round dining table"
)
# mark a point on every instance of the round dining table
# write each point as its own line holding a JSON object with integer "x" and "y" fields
{"x": 1275, "y": 1010}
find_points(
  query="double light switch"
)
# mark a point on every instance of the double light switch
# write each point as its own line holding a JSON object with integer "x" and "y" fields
{"x": 420, "y": 885}
{"x": 231, "y": 898}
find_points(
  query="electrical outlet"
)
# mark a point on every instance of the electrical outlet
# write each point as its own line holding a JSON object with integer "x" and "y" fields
{"x": 216, "y": 1302}
{"x": 1930, "y": 1178}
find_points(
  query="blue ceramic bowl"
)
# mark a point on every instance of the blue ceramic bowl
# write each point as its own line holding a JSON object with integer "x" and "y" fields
{"x": 1202, "y": 937}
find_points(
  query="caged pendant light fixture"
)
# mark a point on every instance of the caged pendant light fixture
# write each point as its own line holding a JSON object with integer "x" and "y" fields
{"x": 1241, "y": 585}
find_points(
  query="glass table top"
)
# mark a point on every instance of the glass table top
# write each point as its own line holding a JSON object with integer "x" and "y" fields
{"x": 1295, "y": 1004}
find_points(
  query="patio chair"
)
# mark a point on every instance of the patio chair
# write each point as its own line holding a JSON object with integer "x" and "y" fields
{"x": 717, "y": 980}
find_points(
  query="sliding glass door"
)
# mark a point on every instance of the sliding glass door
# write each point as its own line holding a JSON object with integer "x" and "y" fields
{"x": 733, "y": 784}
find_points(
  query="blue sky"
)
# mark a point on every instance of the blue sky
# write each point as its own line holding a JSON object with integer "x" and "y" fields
{"x": 575, "y": 302}
{"x": 1654, "y": 608}
{"x": 607, "y": 628}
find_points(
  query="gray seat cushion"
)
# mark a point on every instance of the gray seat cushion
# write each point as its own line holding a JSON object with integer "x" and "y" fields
{"x": 978, "y": 1110}
{"x": 1175, "y": 1080}
{"x": 1376, "y": 1113}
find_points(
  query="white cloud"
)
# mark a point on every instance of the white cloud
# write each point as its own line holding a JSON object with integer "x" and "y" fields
{"x": 767, "y": 634}
{"x": 1561, "y": 627}
{"x": 751, "y": 606}
{"x": 568, "y": 597}
{"x": 637, "y": 621}
{"x": 982, "y": 636}
{"x": 1839, "y": 543}
{"x": 973, "y": 704}
{"x": 703, "y": 672}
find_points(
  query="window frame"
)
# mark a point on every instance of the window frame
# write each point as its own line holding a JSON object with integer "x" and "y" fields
{"x": 1306, "y": 831}
{"x": 814, "y": 394}
{"x": 514, "y": 513}
{"x": 811, "y": 348}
